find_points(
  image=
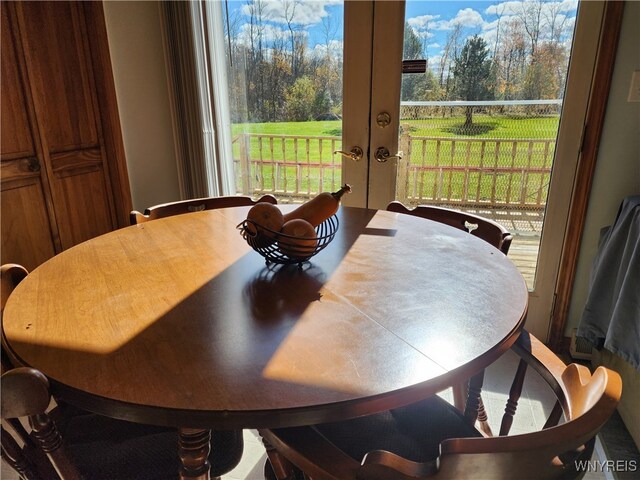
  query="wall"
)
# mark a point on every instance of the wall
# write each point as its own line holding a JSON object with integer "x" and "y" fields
{"x": 135, "y": 44}
{"x": 617, "y": 173}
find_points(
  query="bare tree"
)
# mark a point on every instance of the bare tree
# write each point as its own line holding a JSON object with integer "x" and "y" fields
{"x": 288, "y": 15}
{"x": 329, "y": 32}
{"x": 232, "y": 25}
{"x": 530, "y": 14}
{"x": 555, "y": 21}
{"x": 495, "y": 58}
{"x": 512, "y": 58}
{"x": 449, "y": 54}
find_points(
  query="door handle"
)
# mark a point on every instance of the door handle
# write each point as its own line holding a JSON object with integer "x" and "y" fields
{"x": 383, "y": 154}
{"x": 355, "y": 154}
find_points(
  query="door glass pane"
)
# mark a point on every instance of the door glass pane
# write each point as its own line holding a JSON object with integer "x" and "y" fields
{"x": 478, "y": 128}
{"x": 284, "y": 61}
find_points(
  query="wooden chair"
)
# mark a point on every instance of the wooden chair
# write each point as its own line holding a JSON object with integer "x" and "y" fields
{"x": 11, "y": 274}
{"x": 491, "y": 232}
{"x": 431, "y": 447}
{"x": 484, "y": 228}
{"x": 195, "y": 205}
{"x": 92, "y": 446}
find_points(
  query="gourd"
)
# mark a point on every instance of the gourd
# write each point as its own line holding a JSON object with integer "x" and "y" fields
{"x": 319, "y": 208}
{"x": 265, "y": 215}
{"x": 301, "y": 239}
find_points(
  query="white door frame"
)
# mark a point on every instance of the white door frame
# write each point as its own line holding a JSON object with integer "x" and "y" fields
{"x": 568, "y": 149}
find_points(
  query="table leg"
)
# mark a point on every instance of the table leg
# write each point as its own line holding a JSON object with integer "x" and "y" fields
{"x": 194, "y": 446}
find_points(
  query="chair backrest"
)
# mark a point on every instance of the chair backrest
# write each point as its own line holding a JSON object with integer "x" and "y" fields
{"x": 195, "y": 205}
{"x": 556, "y": 451}
{"x": 11, "y": 275}
{"x": 25, "y": 394}
{"x": 551, "y": 453}
{"x": 484, "y": 228}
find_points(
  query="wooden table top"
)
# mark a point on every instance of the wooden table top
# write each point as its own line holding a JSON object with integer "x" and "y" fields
{"x": 178, "y": 322}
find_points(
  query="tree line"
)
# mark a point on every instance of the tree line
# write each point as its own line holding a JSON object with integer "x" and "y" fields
{"x": 274, "y": 76}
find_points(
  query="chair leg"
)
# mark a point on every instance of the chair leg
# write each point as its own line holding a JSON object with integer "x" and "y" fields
{"x": 554, "y": 416}
{"x": 278, "y": 464}
{"x": 49, "y": 440}
{"x": 473, "y": 400}
{"x": 12, "y": 454}
{"x": 460, "y": 395}
{"x": 482, "y": 419}
{"x": 465, "y": 398}
{"x": 514, "y": 396}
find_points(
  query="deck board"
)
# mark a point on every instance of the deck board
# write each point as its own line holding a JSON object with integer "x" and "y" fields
{"x": 524, "y": 253}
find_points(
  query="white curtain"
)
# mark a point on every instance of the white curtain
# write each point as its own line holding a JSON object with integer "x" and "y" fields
{"x": 196, "y": 69}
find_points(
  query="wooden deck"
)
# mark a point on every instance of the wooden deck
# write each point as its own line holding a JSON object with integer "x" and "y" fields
{"x": 524, "y": 253}
{"x": 526, "y": 228}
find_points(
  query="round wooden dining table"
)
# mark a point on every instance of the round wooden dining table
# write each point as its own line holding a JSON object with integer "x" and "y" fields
{"x": 178, "y": 322}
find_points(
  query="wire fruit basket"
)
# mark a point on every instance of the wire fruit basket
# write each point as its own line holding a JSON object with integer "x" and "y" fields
{"x": 285, "y": 249}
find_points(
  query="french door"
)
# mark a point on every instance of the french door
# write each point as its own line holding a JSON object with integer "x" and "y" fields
{"x": 375, "y": 178}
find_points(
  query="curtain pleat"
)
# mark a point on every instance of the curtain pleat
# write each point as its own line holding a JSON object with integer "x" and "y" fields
{"x": 189, "y": 126}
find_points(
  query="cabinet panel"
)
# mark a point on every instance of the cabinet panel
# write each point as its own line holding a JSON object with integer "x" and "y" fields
{"x": 26, "y": 234}
{"x": 78, "y": 190}
{"x": 59, "y": 72}
{"x": 15, "y": 136}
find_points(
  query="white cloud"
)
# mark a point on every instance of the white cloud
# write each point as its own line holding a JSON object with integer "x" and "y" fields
{"x": 515, "y": 7}
{"x": 505, "y": 8}
{"x": 467, "y": 18}
{"x": 490, "y": 36}
{"x": 268, "y": 32}
{"x": 491, "y": 25}
{"x": 434, "y": 45}
{"x": 301, "y": 13}
{"x": 434, "y": 62}
{"x": 422, "y": 22}
{"x": 569, "y": 6}
{"x": 336, "y": 49}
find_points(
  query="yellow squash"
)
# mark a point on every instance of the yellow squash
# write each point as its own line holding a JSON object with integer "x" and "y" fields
{"x": 319, "y": 208}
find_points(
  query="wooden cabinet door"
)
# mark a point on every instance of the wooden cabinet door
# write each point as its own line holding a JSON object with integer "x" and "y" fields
{"x": 29, "y": 235}
{"x": 57, "y": 189}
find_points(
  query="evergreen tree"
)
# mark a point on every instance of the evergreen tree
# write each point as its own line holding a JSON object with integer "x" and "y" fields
{"x": 472, "y": 74}
{"x": 415, "y": 86}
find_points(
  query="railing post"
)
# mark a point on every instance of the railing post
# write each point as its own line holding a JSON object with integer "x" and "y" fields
{"x": 245, "y": 164}
{"x": 402, "y": 176}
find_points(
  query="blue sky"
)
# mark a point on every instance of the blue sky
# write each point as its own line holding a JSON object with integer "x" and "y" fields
{"x": 432, "y": 20}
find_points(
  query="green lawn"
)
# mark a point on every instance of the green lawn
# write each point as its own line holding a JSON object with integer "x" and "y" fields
{"x": 430, "y": 174}
{"x": 486, "y": 127}
{"x": 311, "y": 129}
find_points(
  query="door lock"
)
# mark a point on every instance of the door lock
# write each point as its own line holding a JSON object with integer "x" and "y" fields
{"x": 383, "y": 119}
{"x": 383, "y": 154}
{"x": 355, "y": 154}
